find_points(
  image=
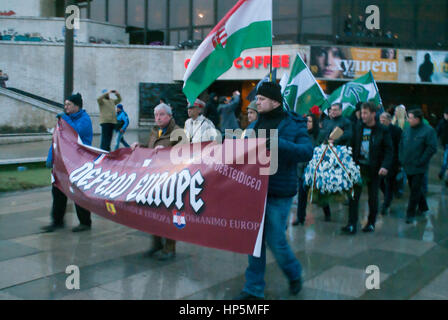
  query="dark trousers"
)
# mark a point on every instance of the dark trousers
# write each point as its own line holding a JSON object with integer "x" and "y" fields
{"x": 167, "y": 247}
{"x": 302, "y": 202}
{"x": 60, "y": 205}
{"x": 107, "y": 130}
{"x": 388, "y": 186}
{"x": 417, "y": 196}
{"x": 370, "y": 176}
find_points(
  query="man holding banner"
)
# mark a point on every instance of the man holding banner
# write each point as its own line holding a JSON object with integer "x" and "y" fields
{"x": 294, "y": 145}
{"x": 160, "y": 138}
{"x": 79, "y": 120}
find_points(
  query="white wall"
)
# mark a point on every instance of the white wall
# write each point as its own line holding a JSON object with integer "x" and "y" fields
{"x": 27, "y": 8}
{"x": 53, "y": 28}
{"x": 19, "y": 114}
{"x": 39, "y": 69}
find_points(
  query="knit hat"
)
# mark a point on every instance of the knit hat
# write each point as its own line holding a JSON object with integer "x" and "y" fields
{"x": 253, "y": 106}
{"x": 76, "y": 99}
{"x": 271, "y": 90}
{"x": 120, "y": 106}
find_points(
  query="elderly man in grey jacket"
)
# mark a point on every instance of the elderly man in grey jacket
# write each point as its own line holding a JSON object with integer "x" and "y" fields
{"x": 417, "y": 146}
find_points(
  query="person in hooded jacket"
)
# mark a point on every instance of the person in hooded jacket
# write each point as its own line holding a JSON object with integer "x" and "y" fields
{"x": 79, "y": 120}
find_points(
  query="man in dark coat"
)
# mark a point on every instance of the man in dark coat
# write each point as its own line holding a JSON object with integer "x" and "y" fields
{"x": 442, "y": 133}
{"x": 388, "y": 183}
{"x": 373, "y": 152}
{"x": 294, "y": 146}
{"x": 336, "y": 120}
{"x": 417, "y": 146}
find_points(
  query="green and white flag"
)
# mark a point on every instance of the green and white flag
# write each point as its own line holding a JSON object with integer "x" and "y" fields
{"x": 363, "y": 89}
{"x": 247, "y": 25}
{"x": 302, "y": 91}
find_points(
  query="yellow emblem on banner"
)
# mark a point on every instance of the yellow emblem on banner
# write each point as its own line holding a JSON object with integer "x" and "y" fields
{"x": 111, "y": 208}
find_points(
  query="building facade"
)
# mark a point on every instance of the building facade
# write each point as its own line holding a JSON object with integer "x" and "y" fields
{"x": 142, "y": 47}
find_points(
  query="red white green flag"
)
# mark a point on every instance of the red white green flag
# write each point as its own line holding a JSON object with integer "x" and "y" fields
{"x": 247, "y": 25}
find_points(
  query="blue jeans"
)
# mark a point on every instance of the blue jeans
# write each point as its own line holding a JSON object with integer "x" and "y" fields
{"x": 275, "y": 222}
{"x": 445, "y": 161}
{"x": 120, "y": 138}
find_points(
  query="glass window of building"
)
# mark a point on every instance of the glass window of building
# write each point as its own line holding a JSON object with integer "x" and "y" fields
{"x": 320, "y": 25}
{"x": 284, "y": 9}
{"x": 117, "y": 12}
{"x": 183, "y": 35}
{"x": 98, "y": 10}
{"x": 174, "y": 38}
{"x": 179, "y": 13}
{"x": 224, "y": 6}
{"x": 136, "y": 13}
{"x": 157, "y": 14}
{"x": 285, "y": 30}
{"x": 317, "y": 17}
{"x": 203, "y": 12}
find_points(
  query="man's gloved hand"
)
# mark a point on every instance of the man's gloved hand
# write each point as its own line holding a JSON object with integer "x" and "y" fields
{"x": 60, "y": 115}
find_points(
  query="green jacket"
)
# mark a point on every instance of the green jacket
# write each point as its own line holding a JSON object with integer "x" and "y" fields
{"x": 108, "y": 113}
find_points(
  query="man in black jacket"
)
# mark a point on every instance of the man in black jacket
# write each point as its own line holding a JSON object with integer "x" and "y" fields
{"x": 336, "y": 120}
{"x": 387, "y": 184}
{"x": 442, "y": 133}
{"x": 418, "y": 144}
{"x": 373, "y": 151}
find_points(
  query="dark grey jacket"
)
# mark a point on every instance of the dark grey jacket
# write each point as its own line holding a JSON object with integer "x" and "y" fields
{"x": 417, "y": 146}
{"x": 328, "y": 127}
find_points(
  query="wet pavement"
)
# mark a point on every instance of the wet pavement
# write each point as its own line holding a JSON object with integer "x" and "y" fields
{"x": 412, "y": 259}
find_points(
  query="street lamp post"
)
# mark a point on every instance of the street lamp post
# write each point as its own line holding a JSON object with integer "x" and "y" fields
{"x": 69, "y": 54}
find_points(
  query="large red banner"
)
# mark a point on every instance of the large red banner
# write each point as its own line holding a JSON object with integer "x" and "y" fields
{"x": 218, "y": 204}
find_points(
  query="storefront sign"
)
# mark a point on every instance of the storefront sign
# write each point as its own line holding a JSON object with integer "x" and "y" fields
{"x": 258, "y": 62}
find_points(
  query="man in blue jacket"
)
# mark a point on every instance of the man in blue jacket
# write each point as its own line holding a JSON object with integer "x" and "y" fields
{"x": 122, "y": 125}
{"x": 294, "y": 146}
{"x": 79, "y": 120}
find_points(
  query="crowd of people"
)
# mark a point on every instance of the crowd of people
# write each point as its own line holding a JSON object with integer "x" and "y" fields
{"x": 388, "y": 147}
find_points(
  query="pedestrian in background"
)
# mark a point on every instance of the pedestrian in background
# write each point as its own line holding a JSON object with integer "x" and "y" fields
{"x": 388, "y": 183}
{"x": 198, "y": 128}
{"x": 373, "y": 152}
{"x": 226, "y": 112}
{"x": 3, "y": 78}
{"x": 108, "y": 117}
{"x": 121, "y": 126}
{"x": 336, "y": 120}
{"x": 417, "y": 146}
{"x": 313, "y": 132}
{"x": 442, "y": 133}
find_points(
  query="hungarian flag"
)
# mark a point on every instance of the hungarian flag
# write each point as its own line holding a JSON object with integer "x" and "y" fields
{"x": 363, "y": 89}
{"x": 302, "y": 91}
{"x": 247, "y": 25}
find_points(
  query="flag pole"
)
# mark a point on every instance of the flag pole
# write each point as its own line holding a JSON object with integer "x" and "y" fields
{"x": 270, "y": 67}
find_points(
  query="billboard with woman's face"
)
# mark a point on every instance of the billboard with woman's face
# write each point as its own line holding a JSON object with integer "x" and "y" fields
{"x": 351, "y": 63}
